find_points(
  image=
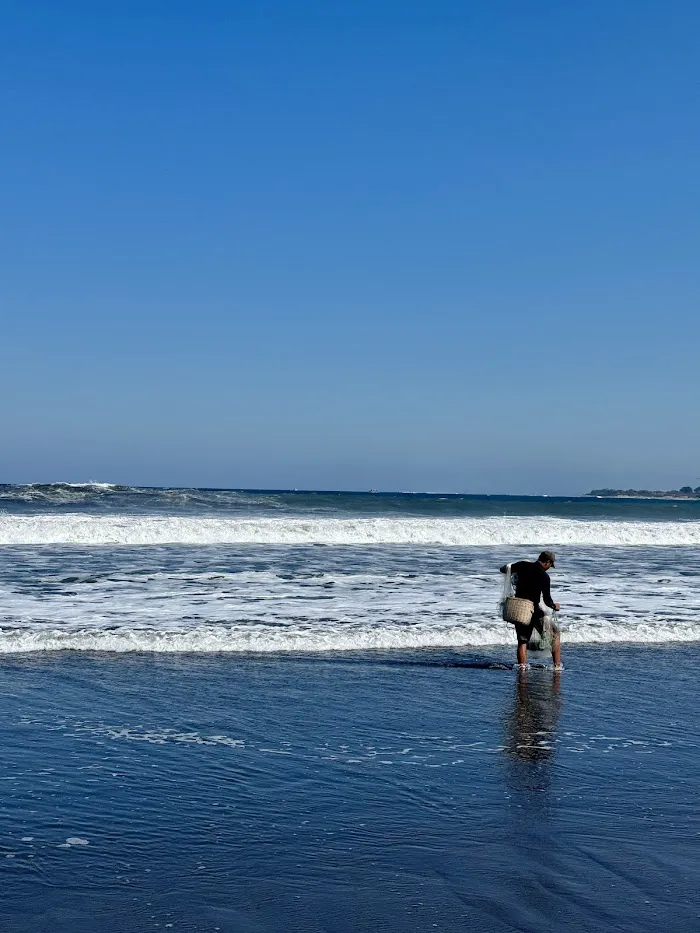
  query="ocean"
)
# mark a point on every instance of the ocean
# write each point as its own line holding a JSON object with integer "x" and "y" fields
{"x": 279, "y": 711}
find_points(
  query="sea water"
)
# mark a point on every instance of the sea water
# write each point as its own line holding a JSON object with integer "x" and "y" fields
{"x": 104, "y": 568}
{"x": 262, "y": 711}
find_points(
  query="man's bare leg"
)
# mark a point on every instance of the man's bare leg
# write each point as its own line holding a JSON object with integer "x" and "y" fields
{"x": 522, "y": 653}
{"x": 556, "y": 649}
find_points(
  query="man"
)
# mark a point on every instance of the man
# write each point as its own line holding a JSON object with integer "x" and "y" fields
{"x": 532, "y": 582}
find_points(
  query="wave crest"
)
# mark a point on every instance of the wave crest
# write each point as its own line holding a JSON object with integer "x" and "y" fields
{"x": 268, "y": 640}
{"x": 134, "y": 530}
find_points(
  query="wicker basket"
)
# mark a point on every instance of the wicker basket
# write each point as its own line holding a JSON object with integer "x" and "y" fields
{"x": 518, "y": 611}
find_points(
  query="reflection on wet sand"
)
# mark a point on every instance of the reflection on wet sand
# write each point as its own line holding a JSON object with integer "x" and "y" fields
{"x": 531, "y": 727}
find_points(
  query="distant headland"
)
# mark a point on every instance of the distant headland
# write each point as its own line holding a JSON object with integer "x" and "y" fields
{"x": 685, "y": 492}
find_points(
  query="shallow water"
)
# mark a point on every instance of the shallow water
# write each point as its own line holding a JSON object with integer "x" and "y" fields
{"x": 320, "y": 598}
{"x": 108, "y": 568}
{"x": 419, "y": 790}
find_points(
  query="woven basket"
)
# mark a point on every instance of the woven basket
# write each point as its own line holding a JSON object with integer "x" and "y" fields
{"x": 518, "y": 611}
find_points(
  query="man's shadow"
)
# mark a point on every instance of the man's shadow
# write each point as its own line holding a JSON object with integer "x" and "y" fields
{"x": 531, "y": 730}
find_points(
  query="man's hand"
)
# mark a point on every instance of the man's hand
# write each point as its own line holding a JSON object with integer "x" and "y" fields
{"x": 557, "y": 607}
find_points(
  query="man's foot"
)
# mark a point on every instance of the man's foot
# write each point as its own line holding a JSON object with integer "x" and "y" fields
{"x": 558, "y": 667}
{"x": 521, "y": 667}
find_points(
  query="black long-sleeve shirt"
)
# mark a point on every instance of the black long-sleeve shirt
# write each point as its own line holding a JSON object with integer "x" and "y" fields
{"x": 531, "y": 582}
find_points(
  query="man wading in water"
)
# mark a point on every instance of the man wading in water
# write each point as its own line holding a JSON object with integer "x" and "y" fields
{"x": 532, "y": 582}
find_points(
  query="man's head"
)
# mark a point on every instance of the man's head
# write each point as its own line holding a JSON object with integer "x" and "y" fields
{"x": 547, "y": 559}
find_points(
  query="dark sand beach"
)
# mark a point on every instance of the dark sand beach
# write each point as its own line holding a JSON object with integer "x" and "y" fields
{"x": 430, "y": 790}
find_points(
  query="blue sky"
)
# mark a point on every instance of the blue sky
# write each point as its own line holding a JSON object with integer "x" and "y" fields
{"x": 444, "y": 246}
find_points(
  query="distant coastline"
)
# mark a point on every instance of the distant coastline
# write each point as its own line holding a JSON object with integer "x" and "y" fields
{"x": 685, "y": 492}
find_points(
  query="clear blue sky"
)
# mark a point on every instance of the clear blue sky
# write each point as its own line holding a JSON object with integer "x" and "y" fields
{"x": 416, "y": 245}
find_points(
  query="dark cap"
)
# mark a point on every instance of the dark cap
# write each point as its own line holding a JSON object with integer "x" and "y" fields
{"x": 547, "y": 555}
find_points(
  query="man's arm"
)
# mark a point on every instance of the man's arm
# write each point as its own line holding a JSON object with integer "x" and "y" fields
{"x": 547, "y": 593}
{"x": 513, "y": 566}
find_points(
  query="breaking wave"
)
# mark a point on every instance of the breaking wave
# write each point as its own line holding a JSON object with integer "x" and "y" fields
{"x": 58, "y": 492}
{"x": 134, "y": 530}
{"x": 335, "y": 638}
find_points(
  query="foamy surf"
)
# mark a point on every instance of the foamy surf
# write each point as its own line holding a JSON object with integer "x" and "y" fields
{"x": 134, "y": 530}
{"x": 335, "y": 638}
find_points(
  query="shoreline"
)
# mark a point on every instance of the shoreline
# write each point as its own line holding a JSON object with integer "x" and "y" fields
{"x": 284, "y": 798}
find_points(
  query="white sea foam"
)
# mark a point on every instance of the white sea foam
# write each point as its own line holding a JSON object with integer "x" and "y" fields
{"x": 334, "y": 638}
{"x": 265, "y": 599}
{"x": 89, "y": 530}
